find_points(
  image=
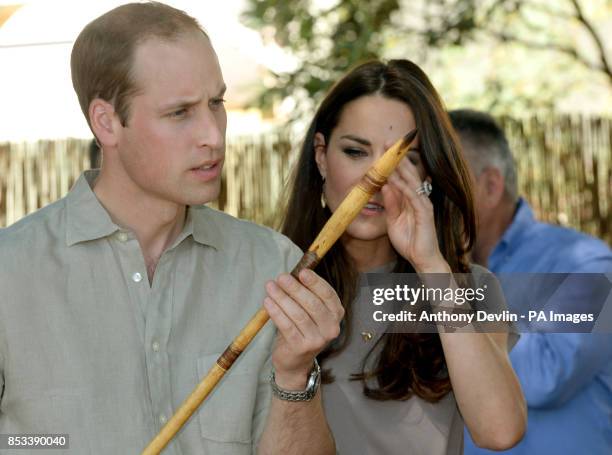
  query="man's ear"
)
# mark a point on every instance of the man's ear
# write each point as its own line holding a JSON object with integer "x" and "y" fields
{"x": 320, "y": 149}
{"x": 104, "y": 122}
{"x": 492, "y": 183}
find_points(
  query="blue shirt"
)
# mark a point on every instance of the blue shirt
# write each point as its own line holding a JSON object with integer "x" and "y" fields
{"x": 566, "y": 377}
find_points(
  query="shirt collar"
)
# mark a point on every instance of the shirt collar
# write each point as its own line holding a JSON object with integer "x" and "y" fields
{"x": 88, "y": 220}
{"x": 204, "y": 223}
{"x": 523, "y": 219}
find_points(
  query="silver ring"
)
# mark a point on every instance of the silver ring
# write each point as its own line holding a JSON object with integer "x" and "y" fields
{"x": 425, "y": 188}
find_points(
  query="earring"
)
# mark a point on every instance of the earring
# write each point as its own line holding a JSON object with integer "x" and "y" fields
{"x": 323, "y": 203}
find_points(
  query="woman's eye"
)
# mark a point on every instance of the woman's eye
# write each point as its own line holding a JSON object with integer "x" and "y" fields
{"x": 353, "y": 152}
{"x": 414, "y": 159}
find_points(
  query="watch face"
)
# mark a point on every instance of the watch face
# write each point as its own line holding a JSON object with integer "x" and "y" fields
{"x": 315, "y": 374}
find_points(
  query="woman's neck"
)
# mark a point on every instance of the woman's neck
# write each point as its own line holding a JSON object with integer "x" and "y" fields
{"x": 369, "y": 254}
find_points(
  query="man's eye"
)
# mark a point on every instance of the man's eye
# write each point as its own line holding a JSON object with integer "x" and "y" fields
{"x": 217, "y": 102}
{"x": 353, "y": 152}
{"x": 178, "y": 113}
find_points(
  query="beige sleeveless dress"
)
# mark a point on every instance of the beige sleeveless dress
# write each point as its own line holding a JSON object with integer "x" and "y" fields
{"x": 362, "y": 426}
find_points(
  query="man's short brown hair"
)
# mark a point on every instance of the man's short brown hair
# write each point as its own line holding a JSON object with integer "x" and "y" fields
{"x": 103, "y": 53}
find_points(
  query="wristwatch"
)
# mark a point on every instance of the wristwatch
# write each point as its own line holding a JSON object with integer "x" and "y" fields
{"x": 300, "y": 395}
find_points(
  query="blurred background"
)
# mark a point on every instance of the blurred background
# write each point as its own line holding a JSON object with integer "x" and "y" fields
{"x": 543, "y": 68}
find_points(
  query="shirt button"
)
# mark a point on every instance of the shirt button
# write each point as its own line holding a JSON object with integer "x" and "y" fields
{"x": 122, "y": 236}
{"x": 155, "y": 346}
{"x": 162, "y": 419}
{"x": 137, "y": 277}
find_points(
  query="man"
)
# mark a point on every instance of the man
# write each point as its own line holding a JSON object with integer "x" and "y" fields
{"x": 566, "y": 377}
{"x": 117, "y": 299}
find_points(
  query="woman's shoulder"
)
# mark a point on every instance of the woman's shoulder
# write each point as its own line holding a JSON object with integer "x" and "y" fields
{"x": 484, "y": 278}
{"x": 478, "y": 270}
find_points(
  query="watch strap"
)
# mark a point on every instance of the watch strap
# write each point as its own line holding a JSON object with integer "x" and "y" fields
{"x": 314, "y": 380}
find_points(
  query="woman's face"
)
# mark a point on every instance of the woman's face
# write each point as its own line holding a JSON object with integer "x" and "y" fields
{"x": 368, "y": 126}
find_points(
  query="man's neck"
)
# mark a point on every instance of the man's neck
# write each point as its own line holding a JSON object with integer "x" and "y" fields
{"x": 490, "y": 231}
{"x": 155, "y": 223}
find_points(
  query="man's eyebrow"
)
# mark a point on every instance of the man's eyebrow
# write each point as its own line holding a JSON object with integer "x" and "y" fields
{"x": 188, "y": 102}
{"x": 357, "y": 139}
{"x": 221, "y": 92}
{"x": 180, "y": 103}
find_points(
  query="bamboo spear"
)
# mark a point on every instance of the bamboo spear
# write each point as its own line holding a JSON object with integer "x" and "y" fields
{"x": 350, "y": 207}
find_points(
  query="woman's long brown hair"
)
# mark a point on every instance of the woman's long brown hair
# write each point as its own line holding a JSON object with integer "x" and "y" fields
{"x": 408, "y": 363}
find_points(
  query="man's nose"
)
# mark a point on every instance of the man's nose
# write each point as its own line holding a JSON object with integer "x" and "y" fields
{"x": 211, "y": 132}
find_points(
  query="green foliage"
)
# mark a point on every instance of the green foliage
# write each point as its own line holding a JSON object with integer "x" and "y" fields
{"x": 325, "y": 41}
{"x": 539, "y": 39}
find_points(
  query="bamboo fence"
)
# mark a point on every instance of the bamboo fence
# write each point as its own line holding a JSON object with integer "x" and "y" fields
{"x": 563, "y": 164}
{"x": 564, "y": 169}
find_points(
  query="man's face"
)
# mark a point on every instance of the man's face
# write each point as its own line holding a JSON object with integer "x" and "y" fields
{"x": 480, "y": 189}
{"x": 173, "y": 146}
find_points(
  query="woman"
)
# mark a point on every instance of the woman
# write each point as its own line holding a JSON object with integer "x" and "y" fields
{"x": 399, "y": 393}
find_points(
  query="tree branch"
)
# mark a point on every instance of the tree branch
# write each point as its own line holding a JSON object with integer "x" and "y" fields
{"x": 567, "y": 50}
{"x": 550, "y": 11}
{"x": 605, "y": 65}
{"x": 530, "y": 25}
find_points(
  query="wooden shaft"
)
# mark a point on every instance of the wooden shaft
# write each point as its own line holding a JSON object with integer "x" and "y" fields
{"x": 350, "y": 207}
{"x": 214, "y": 375}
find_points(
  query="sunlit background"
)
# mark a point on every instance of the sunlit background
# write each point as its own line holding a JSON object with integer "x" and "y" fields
{"x": 544, "y": 68}
{"x": 37, "y": 100}
{"x": 36, "y": 36}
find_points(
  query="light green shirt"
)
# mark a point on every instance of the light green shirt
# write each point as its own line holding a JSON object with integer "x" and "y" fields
{"x": 89, "y": 348}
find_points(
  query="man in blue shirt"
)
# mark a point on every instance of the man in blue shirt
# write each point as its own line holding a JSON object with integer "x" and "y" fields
{"x": 566, "y": 377}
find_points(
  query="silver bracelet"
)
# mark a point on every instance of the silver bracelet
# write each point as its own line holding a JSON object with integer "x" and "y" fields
{"x": 300, "y": 395}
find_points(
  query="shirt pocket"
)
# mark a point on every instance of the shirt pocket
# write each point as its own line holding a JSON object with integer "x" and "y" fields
{"x": 226, "y": 415}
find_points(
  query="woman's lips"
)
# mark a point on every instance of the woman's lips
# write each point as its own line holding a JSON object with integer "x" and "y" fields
{"x": 372, "y": 209}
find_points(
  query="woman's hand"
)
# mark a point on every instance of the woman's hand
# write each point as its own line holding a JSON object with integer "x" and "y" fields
{"x": 410, "y": 220}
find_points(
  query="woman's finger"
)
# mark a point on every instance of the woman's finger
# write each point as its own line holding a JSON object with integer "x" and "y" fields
{"x": 409, "y": 173}
{"x": 392, "y": 198}
{"x": 408, "y": 192}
